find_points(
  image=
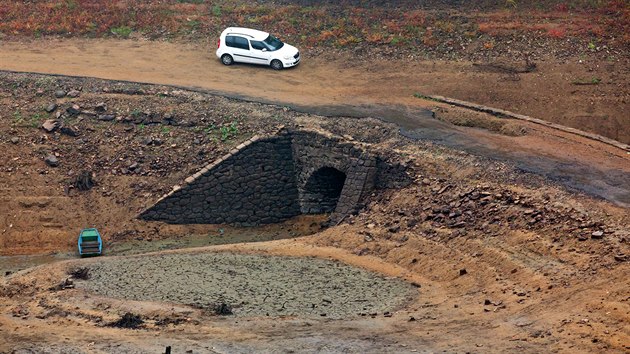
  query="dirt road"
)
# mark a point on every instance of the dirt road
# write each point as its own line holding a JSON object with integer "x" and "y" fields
{"x": 548, "y": 93}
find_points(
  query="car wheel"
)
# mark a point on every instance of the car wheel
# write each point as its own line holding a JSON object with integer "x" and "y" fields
{"x": 276, "y": 64}
{"x": 227, "y": 59}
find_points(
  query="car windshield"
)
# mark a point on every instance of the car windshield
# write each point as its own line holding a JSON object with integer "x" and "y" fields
{"x": 273, "y": 43}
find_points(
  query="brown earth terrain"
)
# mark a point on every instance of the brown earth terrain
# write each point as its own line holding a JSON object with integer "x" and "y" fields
{"x": 505, "y": 260}
{"x": 492, "y": 235}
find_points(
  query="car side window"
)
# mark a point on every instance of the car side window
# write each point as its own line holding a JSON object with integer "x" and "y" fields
{"x": 241, "y": 43}
{"x": 229, "y": 41}
{"x": 258, "y": 45}
{"x": 237, "y": 42}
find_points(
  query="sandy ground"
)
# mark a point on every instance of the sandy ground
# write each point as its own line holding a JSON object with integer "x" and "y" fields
{"x": 548, "y": 93}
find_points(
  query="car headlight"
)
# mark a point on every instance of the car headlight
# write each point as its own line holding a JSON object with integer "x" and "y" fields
{"x": 287, "y": 57}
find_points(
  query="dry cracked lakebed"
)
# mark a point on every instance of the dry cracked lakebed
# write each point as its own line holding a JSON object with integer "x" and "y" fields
{"x": 253, "y": 285}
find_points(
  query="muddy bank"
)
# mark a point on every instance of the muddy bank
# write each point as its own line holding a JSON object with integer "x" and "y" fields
{"x": 251, "y": 285}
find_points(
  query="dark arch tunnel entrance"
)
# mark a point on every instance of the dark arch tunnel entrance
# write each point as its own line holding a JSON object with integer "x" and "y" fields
{"x": 322, "y": 191}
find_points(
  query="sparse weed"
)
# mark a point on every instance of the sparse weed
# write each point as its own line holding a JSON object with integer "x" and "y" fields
{"x": 592, "y": 81}
{"x": 31, "y": 121}
{"x": 424, "y": 97}
{"x": 45, "y": 81}
{"x": 17, "y": 117}
{"x": 122, "y": 31}
{"x": 216, "y": 11}
{"x": 229, "y": 131}
{"x": 193, "y": 25}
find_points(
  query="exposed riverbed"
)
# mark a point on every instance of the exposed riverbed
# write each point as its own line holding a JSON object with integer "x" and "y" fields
{"x": 253, "y": 285}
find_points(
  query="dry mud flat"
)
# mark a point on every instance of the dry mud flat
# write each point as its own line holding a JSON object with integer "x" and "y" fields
{"x": 252, "y": 285}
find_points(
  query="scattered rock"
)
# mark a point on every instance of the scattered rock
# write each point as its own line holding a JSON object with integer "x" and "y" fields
{"x": 169, "y": 119}
{"x": 51, "y": 107}
{"x": 66, "y": 284}
{"x": 394, "y": 229}
{"x": 52, "y": 161}
{"x": 101, "y": 107}
{"x": 69, "y": 131}
{"x": 60, "y": 93}
{"x": 463, "y": 271}
{"x": 84, "y": 181}
{"x": 50, "y": 125}
{"x": 74, "y": 109}
{"x": 88, "y": 113}
{"x": 15, "y": 140}
{"x": 73, "y": 93}
{"x": 106, "y": 117}
{"x": 597, "y": 234}
{"x": 493, "y": 303}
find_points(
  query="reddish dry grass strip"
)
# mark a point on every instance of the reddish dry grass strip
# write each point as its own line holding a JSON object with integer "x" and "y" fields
{"x": 309, "y": 26}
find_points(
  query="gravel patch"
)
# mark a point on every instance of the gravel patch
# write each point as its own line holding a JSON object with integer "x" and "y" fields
{"x": 252, "y": 285}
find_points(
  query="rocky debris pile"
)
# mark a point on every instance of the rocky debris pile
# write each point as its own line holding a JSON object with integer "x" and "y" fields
{"x": 113, "y": 129}
{"x": 129, "y": 321}
{"x": 84, "y": 181}
{"x": 68, "y": 283}
{"x": 485, "y": 209}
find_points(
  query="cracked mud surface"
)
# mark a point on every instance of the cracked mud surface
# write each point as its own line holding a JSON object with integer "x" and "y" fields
{"x": 253, "y": 285}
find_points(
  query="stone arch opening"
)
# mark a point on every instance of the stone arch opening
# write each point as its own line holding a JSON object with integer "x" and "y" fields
{"x": 322, "y": 191}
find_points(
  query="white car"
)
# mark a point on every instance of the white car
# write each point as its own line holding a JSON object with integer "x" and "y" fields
{"x": 245, "y": 45}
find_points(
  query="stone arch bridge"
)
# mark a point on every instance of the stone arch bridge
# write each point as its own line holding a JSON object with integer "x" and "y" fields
{"x": 270, "y": 179}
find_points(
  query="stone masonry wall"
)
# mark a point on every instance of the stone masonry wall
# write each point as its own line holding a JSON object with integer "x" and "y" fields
{"x": 312, "y": 151}
{"x": 270, "y": 179}
{"x": 254, "y": 184}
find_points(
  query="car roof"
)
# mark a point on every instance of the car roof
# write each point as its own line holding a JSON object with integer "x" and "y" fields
{"x": 247, "y": 32}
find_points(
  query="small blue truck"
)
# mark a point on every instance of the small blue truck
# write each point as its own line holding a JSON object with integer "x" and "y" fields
{"x": 90, "y": 243}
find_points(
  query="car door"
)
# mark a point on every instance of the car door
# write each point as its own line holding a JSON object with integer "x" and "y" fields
{"x": 239, "y": 47}
{"x": 260, "y": 52}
